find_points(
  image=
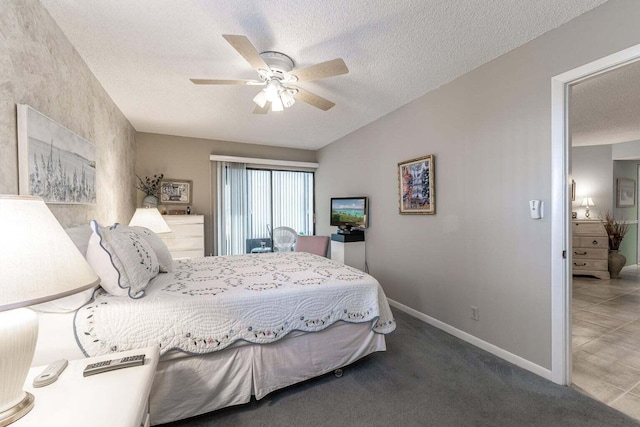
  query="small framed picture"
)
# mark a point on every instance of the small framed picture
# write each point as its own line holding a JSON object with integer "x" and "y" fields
{"x": 626, "y": 195}
{"x": 416, "y": 183}
{"x": 175, "y": 191}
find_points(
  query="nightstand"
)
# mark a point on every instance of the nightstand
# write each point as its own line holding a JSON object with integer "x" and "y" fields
{"x": 115, "y": 398}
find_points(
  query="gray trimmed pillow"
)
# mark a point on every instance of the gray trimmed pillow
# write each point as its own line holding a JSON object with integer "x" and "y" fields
{"x": 159, "y": 247}
{"x": 123, "y": 259}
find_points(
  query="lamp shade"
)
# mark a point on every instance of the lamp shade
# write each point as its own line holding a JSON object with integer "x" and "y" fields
{"x": 587, "y": 202}
{"x": 151, "y": 219}
{"x": 38, "y": 260}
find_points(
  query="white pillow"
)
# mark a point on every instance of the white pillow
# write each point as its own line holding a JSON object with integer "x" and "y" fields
{"x": 159, "y": 247}
{"x": 123, "y": 260}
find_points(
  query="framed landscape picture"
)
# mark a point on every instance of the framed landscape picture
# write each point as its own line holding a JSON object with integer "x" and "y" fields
{"x": 175, "y": 191}
{"x": 626, "y": 197}
{"x": 416, "y": 183}
{"x": 53, "y": 162}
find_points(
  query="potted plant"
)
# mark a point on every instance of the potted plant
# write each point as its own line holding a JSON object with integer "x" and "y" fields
{"x": 616, "y": 231}
{"x": 149, "y": 186}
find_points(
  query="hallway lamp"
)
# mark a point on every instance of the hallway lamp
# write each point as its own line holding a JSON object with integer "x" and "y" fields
{"x": 39, "y": 263}
{"x": 587, "y": 202}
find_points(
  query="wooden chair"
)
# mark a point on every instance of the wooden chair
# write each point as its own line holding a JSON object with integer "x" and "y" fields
{"x": 317, "y": 245}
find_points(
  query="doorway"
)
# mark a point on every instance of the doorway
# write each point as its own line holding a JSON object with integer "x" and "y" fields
{"x": 561, "y": 280}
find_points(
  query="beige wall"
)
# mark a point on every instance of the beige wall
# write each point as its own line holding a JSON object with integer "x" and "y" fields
{"x": 39, "y": 67}
{"x": 188, "y": 158}
{"x": 490, "y": 132}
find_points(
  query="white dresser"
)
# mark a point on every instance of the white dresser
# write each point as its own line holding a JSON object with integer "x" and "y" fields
{"x": 186, "y": 239}
{"x": 590, "y": 249}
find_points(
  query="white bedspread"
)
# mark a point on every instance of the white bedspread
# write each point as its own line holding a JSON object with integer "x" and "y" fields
{"x": 206, "y": 304}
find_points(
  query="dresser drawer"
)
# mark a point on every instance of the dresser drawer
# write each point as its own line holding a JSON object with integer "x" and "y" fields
{"x": 184, "y": 243}
{"x": 589, "y": 253}
{"x": 590, "y": 264}
{"x": 187, "y": 254}
{"x": 601, "y": 242}
{"x": 588, "y": 228}
{"x": 183, "y": 230}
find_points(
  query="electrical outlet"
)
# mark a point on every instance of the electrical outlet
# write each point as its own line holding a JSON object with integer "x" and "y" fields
{"x": 475, "y": 313}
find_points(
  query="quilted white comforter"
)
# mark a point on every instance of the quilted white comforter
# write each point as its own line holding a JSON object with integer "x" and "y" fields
{"x": 207, "y": 304}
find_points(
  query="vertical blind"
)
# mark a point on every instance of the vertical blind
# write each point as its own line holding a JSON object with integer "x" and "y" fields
{"x": 279, "y": 199}
{"x": 252, "y": 202}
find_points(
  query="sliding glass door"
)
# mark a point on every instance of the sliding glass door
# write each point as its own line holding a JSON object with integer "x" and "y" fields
{"x": 277, "y": 199}
{"x": 253, "y": 202}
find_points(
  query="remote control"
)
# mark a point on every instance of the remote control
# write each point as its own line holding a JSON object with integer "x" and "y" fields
{"x": 110, "y": 365}
{"x": 50, "y": 373}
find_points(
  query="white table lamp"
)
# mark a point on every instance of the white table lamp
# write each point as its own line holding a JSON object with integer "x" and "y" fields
{"x": 587, "y": 202}
{"x": 151, "y": 219}
{"x": 38, "y": 263}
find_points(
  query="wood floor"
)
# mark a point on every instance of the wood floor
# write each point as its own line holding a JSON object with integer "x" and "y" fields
{"x": 606, "y": 339}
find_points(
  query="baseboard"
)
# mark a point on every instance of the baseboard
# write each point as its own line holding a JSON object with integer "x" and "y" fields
{"x": 495, "y": 350}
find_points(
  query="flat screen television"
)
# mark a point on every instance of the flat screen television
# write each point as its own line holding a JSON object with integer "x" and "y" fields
{"x": 350, "y": 212}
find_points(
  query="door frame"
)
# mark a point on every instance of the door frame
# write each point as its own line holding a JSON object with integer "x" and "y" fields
{"x": 561, "y": 205}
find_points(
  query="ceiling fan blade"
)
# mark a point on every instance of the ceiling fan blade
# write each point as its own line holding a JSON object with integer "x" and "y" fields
{"x": 335, "y": 67}
{"x": 247, "y": 50}
{"x": 313, "y": 99}
{"x": 226, "y": 82}
{"x": 262, "y": 110}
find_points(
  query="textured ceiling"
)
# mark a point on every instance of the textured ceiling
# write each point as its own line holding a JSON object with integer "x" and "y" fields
{"x": 143, "y": 52}
{"x": 606, "y": 109}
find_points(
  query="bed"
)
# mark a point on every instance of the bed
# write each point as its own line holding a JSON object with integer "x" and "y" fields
{"x": 228, "y": 328}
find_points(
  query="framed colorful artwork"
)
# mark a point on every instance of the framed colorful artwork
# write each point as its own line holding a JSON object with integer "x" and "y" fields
{"x": 416, "y": 184}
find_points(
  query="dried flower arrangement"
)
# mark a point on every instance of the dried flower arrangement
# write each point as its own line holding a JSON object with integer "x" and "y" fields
{"x": 149, "y": 186}
{"x": 616, "y": 231}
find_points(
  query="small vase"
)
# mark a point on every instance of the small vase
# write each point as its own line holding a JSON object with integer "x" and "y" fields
{"x": 150, "y": 201}
{"x": 616, "y": 262}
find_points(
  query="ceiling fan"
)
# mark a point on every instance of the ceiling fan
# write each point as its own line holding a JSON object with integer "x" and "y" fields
{"x": 276, "y": 73}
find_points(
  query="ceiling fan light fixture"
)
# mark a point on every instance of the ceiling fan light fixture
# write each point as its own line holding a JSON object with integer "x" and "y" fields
{"x": 260, "y": 99}
{"x": 287, "y": 98}
{"x": 276, "y": 104}
{"x": 272, "y": 90}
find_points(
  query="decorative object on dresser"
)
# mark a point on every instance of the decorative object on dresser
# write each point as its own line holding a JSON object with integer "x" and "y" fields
{"x": 149, "y": 186}
{"x": 150, "y": 218}
{"x": 587, "y": 202}
{"x": 176, "y": 191}
{"x": 186, "y": 239}
{"x": 39, "y": 263}
{"x": 590, "y": 249}
{"x": 53, "y": 162}
{"x": 416, "y": 181}
{"x": 616, "y": 231}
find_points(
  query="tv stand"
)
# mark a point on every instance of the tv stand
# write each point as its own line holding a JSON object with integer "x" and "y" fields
{"x": 350, "y": 230}
{"x": 349, "y": 249}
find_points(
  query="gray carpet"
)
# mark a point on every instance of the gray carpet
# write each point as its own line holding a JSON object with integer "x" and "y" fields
{"x": 425, "y": 378}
